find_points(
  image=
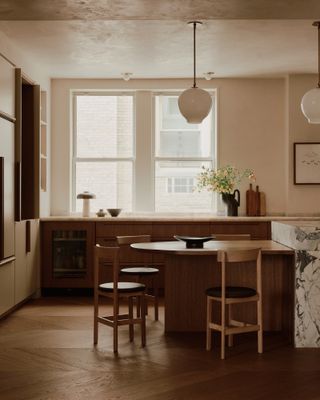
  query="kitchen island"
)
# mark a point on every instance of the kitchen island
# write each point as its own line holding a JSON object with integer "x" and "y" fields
{"x": 304, "y": 238}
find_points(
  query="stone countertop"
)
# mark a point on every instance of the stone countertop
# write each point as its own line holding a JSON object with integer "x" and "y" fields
{"x": 182, "y": 217}
{"x": 299, "y": 235}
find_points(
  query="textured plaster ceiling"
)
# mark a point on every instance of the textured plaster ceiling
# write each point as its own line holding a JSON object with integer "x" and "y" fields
{"x": 150, "y": 38}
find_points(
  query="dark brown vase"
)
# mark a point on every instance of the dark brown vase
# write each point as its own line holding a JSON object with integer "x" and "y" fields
{"x": 232, "y": 200}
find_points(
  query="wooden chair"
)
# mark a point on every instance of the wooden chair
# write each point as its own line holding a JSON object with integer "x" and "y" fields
{"x": 230, "y": 295}
{"x": 236, "y": 236}
{"x": 142, "y": 271}
{"x": 116, "y": 290}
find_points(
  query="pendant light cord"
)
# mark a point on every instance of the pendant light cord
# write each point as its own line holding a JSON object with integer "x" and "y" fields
{"x": 194, "y": 55}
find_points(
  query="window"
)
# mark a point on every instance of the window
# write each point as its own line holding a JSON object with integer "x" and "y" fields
{"x": 135, "y": 151}
{"x": 103, "y": 149}
{"x": 180, "y": 151}
{"x": 180, "y": 185}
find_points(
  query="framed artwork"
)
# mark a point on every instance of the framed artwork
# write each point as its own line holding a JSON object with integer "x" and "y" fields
{"x": 306, "y": 163}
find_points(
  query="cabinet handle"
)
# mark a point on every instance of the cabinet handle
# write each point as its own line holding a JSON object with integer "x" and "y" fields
{"x": 17, "y": 172}
{"x": 7, "y": 261}
{"x": 28, "y": 236}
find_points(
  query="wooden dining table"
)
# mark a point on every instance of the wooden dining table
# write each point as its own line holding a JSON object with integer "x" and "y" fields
{"x": 190, "y": 271}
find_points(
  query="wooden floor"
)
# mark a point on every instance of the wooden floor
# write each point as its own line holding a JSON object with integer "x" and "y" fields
{"x": 46, "y": 352}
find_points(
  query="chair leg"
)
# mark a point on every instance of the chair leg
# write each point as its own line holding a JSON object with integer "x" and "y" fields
{"x": 156, "y": 299}
{"x": 230, "y": 337}
{"x": 260, "y": 323}
{"x": 143, "y": 321}
{"x": 131, "y": 326}
{"x": 95, "y": 320}
{"x": 223, "y": 327}
{"x": 209, "y": 316}
{"x": 138, "y": 298}
{"x": 115, "y": 324}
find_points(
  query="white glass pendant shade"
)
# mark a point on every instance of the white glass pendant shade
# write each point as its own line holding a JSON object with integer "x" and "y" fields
{"x": 194, "y": 104}
{"x": 310, "y": 106}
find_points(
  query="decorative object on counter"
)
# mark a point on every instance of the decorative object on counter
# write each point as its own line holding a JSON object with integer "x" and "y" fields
{"x": 306, "y": 157}
{"x": 310, "y": 103}
{"x": 114, "y": 212}
{"x": 255, "y": 202}
{"x": 86, "y": 196}
{"x": 194, "y": 103}
{"x": 224, "y": 180}
{"x": 193, "y": 242}
{"x": 232, "y": 202}
{"x": 101, "y": 213}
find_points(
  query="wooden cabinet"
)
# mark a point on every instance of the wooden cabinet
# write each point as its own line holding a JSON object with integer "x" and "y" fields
{"x": 27, "y": 148}
{"x": 258, "y": 230}
{"x": 59, "y": 241}
{"x": 6, "y": 286}
{"x": 7, "y": 85}
{"x": 67, "y": 254}
{"x": 27, "y": 251}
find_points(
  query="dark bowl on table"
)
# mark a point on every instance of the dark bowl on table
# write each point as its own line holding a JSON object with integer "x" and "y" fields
{"x": 114, "y": 212}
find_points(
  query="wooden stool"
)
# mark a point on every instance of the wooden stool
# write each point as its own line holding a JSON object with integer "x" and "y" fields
{"x": 229, "y": 295}
{"x": 141, "y": 271}
{"x": 116, "y": 290}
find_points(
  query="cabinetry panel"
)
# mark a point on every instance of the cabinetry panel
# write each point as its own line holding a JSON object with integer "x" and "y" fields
{"x": 258, "y": 230}
{"x": 6, "y": 287}
{"x": 7, "y": 85}
{"x": 27, "y": 254}
{"x": 67, "y": 254}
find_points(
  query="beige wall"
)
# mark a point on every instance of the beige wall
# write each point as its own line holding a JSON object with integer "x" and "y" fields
{"x": 256, "y": 119}
{"x": 301, "y": 198}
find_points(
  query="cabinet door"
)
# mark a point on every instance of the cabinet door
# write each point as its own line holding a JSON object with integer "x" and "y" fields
{"x": 33, "y": 257}
{"x": 6, "y": 287}
{"x": 7, "y": 88}
{"x": 7, "y": 188}
{"x": 27, "y": 253}
{"x": 67, "y": 254}
{"x": 20, "y": 281}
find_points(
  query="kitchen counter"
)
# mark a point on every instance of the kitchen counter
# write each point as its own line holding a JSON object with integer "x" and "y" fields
{"x": 178, "y": 217}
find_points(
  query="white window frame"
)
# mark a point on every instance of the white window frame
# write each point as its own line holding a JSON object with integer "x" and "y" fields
{"x": 211, "y": 159}
{"x": 75, "y": 159}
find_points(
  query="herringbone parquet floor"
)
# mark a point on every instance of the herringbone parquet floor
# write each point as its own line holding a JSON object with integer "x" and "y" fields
{"x": 46, "y": 352}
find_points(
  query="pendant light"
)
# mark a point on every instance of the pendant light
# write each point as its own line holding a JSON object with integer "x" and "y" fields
{"x": 194, "y": 103}
{"x": 310, "y": 103}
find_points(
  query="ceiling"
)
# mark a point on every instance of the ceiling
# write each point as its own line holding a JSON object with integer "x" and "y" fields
{"x": 151, "y": 39}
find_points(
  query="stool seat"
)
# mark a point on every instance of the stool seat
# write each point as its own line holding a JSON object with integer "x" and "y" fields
{"x": 139, "y": 271}
{"x": 123, "y": 287}
{"x": 232, "y": 292}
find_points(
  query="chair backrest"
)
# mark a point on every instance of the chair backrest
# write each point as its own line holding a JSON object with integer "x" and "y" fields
{"x": 111, "y": 256}
{"x": 127, "y": 240}
{"x": 236, "y": 236}
{"x": 240, "y": 256}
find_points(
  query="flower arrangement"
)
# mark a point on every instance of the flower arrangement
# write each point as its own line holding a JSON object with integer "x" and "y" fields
{"x": 222, "y": 180}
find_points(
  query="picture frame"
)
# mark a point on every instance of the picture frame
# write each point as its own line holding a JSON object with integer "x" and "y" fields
{"x": 306, "y": 159}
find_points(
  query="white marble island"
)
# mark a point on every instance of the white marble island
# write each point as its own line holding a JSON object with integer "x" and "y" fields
{"x": 304, "y": 238}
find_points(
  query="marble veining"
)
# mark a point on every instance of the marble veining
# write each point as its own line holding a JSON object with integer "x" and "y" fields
{"x": 304, "y": 237}
{"x": 307, "y": 321}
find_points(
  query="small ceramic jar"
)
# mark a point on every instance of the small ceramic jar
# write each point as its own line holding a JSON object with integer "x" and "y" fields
{"x": 101, "y": 213}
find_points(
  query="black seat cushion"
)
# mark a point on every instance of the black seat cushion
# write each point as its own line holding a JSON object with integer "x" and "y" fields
{"x": 232, "y": 292}
{"x": 139, "y": 271}
{"x": 123, "y": 287}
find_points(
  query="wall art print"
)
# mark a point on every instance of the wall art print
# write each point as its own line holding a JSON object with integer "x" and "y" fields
{"x": 307, "y": 163}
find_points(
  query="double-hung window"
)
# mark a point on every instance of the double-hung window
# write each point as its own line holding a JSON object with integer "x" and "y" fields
{"x": 181, "y": 149}
{"x": 103, "y": 149}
